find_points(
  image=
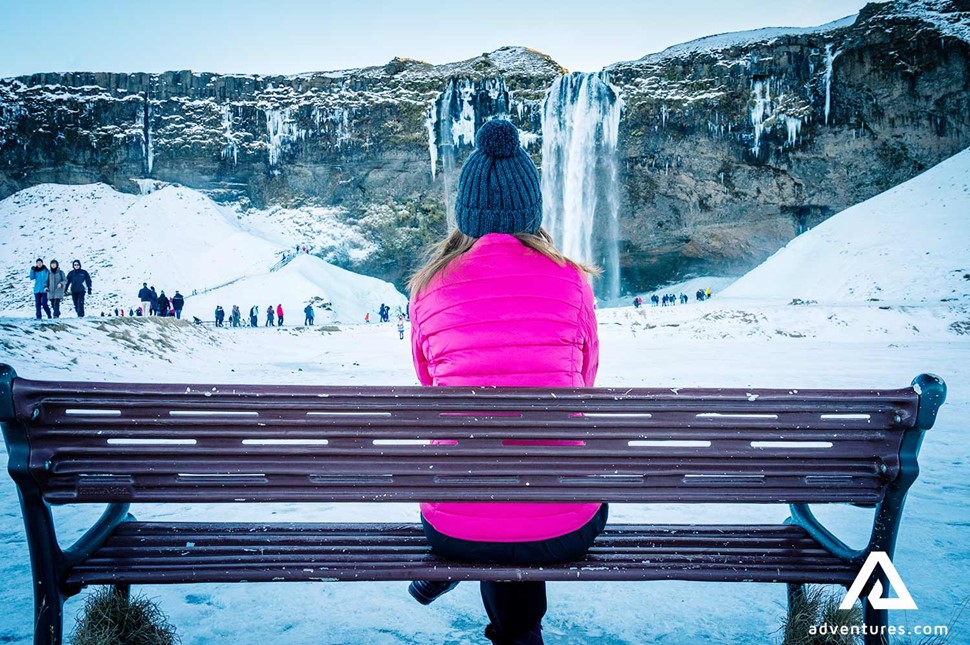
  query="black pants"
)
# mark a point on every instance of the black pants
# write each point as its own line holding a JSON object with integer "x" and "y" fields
{"x": 78, "y": 298}
{"x": 514, "y": 608}
{"x": 56, "y": 306}
{"x": 40, "y": 302}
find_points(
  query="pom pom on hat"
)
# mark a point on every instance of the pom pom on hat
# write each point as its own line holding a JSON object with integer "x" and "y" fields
{"x": 498, "y": 139}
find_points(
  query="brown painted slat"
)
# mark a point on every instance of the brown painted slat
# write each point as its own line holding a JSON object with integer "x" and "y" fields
{"x": 141, "y": 553}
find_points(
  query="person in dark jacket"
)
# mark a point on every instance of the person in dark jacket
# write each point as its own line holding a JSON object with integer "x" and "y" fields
{"x": 254, "y": 316}
{"x": 178, "y": 301}
{"x": 78, "y": 283}
{"x": 56, "y": 287}
{"x": 308, "y": 315}
{"x": 145, "y": 297}
{"x": 270, "y": 312}
{"x": 153, "y": 305}
{"x": 163, "y": 304}
{"x": 39, "y": 274}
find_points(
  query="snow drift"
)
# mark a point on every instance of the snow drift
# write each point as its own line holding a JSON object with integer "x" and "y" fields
{"x": 910, "y": 244}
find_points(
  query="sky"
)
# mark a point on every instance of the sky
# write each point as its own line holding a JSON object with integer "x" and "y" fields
{"x": 293, "y": 36}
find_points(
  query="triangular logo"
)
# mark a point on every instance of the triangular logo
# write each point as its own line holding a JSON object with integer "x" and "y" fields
{"x": 881, "y": 559}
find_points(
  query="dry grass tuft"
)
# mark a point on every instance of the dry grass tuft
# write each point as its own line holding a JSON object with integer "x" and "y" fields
{"x": 109, "y": 618}
{"x": 817, "y": 607}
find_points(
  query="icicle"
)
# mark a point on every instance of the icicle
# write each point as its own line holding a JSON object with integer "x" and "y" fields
{"x": 794, "y": 126}
{"x": 230, "y": 149}
{"x": 430, "y": 124}
{"x": 144, "y": 123}
{"x": 280, "y": 129}
{"x": 463, "y": 128}
{"x": 760, "y": 111}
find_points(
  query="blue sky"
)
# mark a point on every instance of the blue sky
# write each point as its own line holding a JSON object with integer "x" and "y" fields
{"x": 291, "y": 36}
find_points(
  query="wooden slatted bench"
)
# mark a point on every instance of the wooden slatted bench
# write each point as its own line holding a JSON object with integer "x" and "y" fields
{"x": 115, "y": 444}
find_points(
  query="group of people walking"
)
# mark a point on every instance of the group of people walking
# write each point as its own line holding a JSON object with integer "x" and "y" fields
{"x": 274, "y": 316}
{"x": 158, "y": 304}
{"x": 670, "y": 299}
{"x": 51, "y": 285}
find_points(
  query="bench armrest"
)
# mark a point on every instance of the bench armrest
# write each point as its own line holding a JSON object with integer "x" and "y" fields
{"x": 95, "y": 537}
{"x": 932, "y": 393}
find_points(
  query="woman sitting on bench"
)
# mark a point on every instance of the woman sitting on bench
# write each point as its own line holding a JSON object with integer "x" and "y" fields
{"x": 498, "y": 305}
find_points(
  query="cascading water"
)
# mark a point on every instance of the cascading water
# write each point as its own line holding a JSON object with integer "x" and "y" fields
{"x": 580, "y": 187}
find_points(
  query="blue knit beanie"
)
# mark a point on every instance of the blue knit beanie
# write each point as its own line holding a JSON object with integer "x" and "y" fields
{"x": 498, "y": 190}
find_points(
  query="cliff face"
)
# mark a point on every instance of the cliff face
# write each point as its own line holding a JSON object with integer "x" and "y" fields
{"x": 733, "y": 145}
{"x": 728, "y": 146}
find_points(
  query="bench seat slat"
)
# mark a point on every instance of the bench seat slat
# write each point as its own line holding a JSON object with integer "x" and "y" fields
{"x": 142, "y": 553}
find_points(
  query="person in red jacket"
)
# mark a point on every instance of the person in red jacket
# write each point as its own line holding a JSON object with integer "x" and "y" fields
{"x": 279, "y": 315}
{"x": 541, "y": 334}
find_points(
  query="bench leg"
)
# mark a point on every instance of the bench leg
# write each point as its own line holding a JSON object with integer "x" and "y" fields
{"x": 48, "y": 615}
{"x": 796, "y": 593}
{"x": 876, "y": 621}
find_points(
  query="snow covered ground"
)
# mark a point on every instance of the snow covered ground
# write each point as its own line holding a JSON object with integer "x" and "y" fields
{"x": 176, "y": 238}
{"x": 749, "y": 336}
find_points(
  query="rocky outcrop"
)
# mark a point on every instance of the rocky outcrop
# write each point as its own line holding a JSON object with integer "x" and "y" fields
{"x": 728, "y": 146}
{"x": 733, "y": 145}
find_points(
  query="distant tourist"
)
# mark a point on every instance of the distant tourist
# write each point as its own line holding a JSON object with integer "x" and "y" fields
{"x": 153, "y": 310}
{"x": 269, "y": 316}
{"x": 308, "y": 315}
{"x": 220, "y": 315}
{"x": 163, "y": 304}
{"x": 79, "y": 284}
{"x": 367, "y": 318}
{"x": 145, "y": 296}
{"x": 400, "y": 326}
{"x": 178, "y": 301}
{"x": 56, "y": 287}
{"x": 39, "y": 274}
{"x": 235, "y": 315}
{"x": 254, "y": 316}
{"x": 279, "y": 315}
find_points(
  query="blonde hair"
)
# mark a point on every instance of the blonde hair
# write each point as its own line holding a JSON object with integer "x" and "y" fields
{"x": 452, "y": 247}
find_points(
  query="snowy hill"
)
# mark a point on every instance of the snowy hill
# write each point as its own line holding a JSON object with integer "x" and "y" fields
{"x": 910, "y": 244}
{"x": 172, "y": 238}
{"x": 337, "y": 295}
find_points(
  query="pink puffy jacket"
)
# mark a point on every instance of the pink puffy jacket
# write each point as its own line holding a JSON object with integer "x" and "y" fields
{"x": 505, "y": 315}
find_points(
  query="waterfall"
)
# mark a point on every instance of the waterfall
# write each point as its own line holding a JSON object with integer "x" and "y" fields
{"x": 829, "y": 62}
{"x": 580, "y": 187}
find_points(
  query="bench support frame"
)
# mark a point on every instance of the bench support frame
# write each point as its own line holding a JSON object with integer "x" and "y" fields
{"x": 50, "y": 563}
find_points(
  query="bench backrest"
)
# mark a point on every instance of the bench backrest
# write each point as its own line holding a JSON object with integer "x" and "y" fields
{"x": 109, "y": 442}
